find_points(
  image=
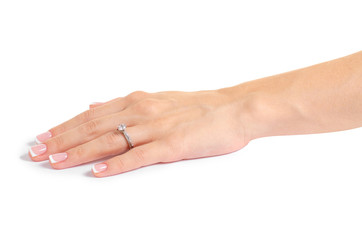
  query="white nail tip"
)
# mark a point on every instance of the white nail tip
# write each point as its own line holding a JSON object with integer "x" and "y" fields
{"x": 94, "y": 170}
{"x": 37, "y": 140}
{"x": 32, "y": 153}
{"x": 51, "y": 159}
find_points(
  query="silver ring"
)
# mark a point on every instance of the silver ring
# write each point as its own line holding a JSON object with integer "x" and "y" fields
{"x": 122, "y": 129}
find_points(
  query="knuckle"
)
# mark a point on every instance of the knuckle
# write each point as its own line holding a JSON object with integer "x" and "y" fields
{"x": 111, "y": 139}
{"x": 87, "y": 115}
{"x": 137, "y": 95}
{"x": 118, "y": 100}
{"x": 140, "y": 157}
{"x": 79, "y": 152}
{"x": 120, "y": 164}
{"x": 58, "y": 142}
{"x": 58, "y": 129}
{"x": 147, "y": 106}
{"x": 89, "y": 128}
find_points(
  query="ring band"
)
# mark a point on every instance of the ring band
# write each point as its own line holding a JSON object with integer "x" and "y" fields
{"x": 122, "y": 129}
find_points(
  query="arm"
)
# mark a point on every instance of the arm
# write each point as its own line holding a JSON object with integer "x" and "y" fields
{"x": 321, "y": 98}
{"x": 171, "y": 126}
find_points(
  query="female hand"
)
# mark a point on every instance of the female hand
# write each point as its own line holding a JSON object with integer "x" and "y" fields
{"x": 164, "y": 127}
{"x": 171, "y": 126}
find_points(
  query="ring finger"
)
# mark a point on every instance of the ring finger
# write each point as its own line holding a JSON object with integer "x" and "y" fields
{"x": 111, "y": 143}
{"x": 81, "y": 134}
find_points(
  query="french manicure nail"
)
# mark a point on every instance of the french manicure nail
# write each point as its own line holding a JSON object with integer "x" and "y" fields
{"x": 58, "y": 157}
{"x": 43, "y": 137}
{"x": 37, "y": 150}
{"x": 100, "y": 167}
{"x": 95, "y": 104}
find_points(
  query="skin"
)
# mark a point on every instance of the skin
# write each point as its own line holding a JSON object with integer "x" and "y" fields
{"x": 171, "y": 126}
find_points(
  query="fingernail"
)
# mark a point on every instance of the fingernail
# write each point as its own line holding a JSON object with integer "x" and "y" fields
{"x": 37, "y": 150}
{"x": 95, "y": 104}
{"x": 43, "y": 137}
{"x": 100, "y": 167}
{"x": 58, "y": 157}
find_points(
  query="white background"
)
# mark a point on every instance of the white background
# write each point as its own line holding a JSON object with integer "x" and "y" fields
{"x": 58, "y": 56}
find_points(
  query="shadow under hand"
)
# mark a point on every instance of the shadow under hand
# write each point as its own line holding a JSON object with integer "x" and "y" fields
{"x": 89, "y": 174}
{"x": 31, "y": 143}
{"x": 46, "y": 164}
{"x": 25, "y": 157}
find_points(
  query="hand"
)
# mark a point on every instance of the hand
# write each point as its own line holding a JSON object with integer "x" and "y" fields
{"x": 164, "y": 127}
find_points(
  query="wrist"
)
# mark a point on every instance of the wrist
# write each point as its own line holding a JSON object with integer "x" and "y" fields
{"x": 265, "y": 107}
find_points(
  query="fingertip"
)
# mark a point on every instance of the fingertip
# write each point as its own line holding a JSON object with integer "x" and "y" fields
{"x": 95, "y": 104}
{"x": 97, "y": 175}
{"x": 51, "y": 159}
{"x": 35, "y": 158}
{"x": 31, "y": 157}
{"x": 43, "y": 137}
{"x": 57, "y": 165}
{"x": 99, "y": 169}
{"x": 31, "y": 153}
{"x": 53, "y": 165}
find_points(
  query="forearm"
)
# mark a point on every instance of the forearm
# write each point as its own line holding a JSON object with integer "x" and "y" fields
{"x": 320, "y": 98}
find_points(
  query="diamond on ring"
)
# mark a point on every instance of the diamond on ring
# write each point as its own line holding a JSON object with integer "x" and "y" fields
{"x": 122, "y": 129}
